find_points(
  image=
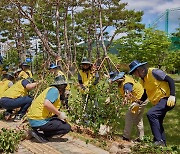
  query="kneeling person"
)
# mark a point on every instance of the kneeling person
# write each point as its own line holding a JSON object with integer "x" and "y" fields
{"x": 43, "y": 114}
{"x": 17, "y": 97}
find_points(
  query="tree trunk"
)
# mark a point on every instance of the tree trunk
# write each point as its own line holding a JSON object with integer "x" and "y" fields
{"x": 38, "y": 32}
{"x": 57, "y": 27}
{"x": 89, "y": 43}
{"x": 101, "y": 31}
{"x": 73, "y": 38}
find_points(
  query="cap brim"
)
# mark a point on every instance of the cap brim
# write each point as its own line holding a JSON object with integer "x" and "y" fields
{"x": 119, "y": 77}
{"x": 86, "y": 63}
{"x": 53, "y": 67}
{"x": 58, "y": 84}
{"x": 134, "y": 68}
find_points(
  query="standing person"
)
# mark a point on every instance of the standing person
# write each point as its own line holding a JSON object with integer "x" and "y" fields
{"x": 17, "y": 96}
{"x": 160, "y": 89}
{"x": 86, "y": 75}
{"x": 6, "y": 82}
{"x": 26, "y": 72}
{"x": 133, "y": 92}
{"x": 44, "y": 115}
{"x": 56, "y": 71}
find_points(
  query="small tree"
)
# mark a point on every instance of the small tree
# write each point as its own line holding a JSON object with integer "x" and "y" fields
{"x": 11, "y": 57}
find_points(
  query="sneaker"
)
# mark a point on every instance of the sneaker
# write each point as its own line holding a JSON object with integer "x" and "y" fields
{"x": 159, "y": 143}
{"x": 18, "y": 117}
{"x": 39, "y": 137}
{"x": 138, "y": 140}
{"x": 7, "y": 115}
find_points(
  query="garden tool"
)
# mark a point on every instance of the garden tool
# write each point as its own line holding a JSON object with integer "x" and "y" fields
{"x": 86, "y": 102}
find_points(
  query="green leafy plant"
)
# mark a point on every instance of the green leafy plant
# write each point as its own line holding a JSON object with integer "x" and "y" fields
{"x": 146, "y": 146}
{"x": 100, "y": 105}
{"x": 9, "y": 140}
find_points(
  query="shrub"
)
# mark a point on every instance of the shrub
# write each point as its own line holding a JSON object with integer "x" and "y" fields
{"x": 9, "y": 140}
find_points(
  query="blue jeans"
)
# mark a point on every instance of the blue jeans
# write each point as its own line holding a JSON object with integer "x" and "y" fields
{"x": 156, "y": 116}
{"x": 13, "y": 103}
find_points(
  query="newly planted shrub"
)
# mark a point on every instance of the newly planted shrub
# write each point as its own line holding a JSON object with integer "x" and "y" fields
{"x": 9, "y": 140}
{"x": 100, "y": 105}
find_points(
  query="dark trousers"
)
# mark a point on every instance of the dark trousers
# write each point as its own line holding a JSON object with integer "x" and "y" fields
{"x": 156, "y": 116}
{"x": 13, "y": 103}
{"x": 54, "y": 127}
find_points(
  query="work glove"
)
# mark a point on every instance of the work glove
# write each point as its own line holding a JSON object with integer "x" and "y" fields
{"x": 171, "y": 101}
{"x": 134, "y": 108}
{"x": 62, "y": 116}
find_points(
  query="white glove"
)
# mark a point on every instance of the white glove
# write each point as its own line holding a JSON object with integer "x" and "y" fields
{"x": 134, "y": 107}
{"x": 62, "y": 116}
{"x": 171, "y": 101}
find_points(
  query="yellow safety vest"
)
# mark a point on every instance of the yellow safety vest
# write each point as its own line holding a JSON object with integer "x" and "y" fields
{"x": 15, "y": 91}
{"x": 155, "y": 89}
{"x": 137, "y": 91}
{"x": 30, "y": 73}
{"x": 37, "y": 110}
{"x": 4, "y": 86}
{"x": 61, "y": 73}
{"x": 24, "y": 75}
{"x": 86, "y": 77}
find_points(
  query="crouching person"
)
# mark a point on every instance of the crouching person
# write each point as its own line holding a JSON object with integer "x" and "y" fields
{"x": 44, "y": 115}
{"x": 134, "y": 93}
{"x": 17, "y": 97}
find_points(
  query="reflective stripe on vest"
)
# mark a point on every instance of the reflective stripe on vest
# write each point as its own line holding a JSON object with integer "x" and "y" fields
{"x": 15, "y": 91}
{"x": 155, "y": 89}
{"x": 37, "y": 110}
{"x": 137, "y": 91}
{"x": 29, "y": 72}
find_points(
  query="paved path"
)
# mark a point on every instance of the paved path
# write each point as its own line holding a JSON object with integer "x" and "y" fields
{"x": 64, "y": 145}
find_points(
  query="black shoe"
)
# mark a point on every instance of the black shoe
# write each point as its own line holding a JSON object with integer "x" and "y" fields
{"x": 125, "y": 139}
{"x": 18, "y": 117}
{"x": 138, "y": 140}
{"x": 7, "y": 115}
{"x": 160, "y": 143}
{"x": 39, "y": 137}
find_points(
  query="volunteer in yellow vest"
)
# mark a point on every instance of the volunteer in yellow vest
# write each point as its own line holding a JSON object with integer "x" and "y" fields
{"x": 160, "y": 89}
{"x": 133, "y": 92}
{"x": 6, "y": 82}
{"x": 17, "y": 97}
{"x": 86, "y": 75}
{"x": 56, "y": 71}
{"x": 26, "y": 72}
{"x": 44, "y": 115}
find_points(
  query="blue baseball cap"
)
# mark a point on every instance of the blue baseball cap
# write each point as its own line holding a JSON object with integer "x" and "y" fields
{"x": 52, "y": 66}
{"x": 135, "y": 64}
{"x": 120, "y": 75}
